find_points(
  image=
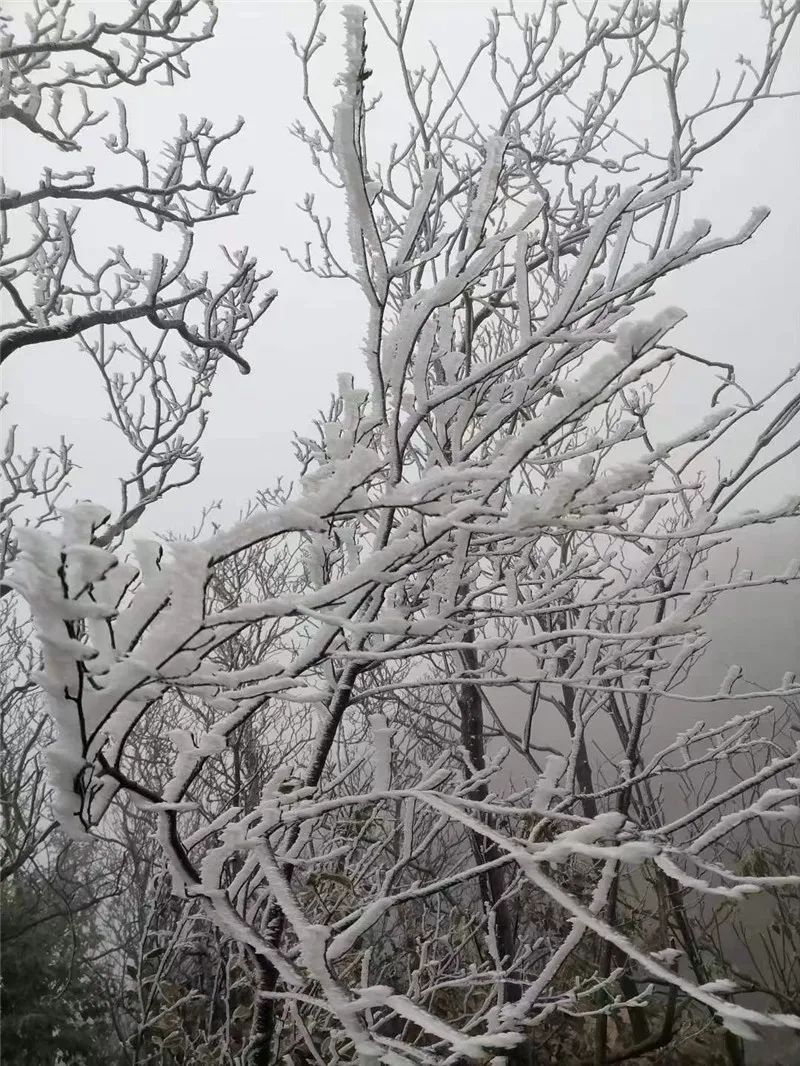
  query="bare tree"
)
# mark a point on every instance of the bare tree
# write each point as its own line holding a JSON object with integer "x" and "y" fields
{"x": 156, "y": 332}
{"x": 494, "y": 521}
{"x": 157, "y": 336}
{"x": 58, "y": 61}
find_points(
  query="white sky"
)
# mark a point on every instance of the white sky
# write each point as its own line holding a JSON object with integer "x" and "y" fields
{"x": 742, "y": 304}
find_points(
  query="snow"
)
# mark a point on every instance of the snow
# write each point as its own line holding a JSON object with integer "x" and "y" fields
{"x": 484, "y": 199}
{"x": 419, "y": 208}
{"x": 498, "y": 507}
{"x": 381, "y": 752}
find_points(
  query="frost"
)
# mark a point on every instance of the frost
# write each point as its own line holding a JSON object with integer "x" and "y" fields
{"x": 420, "y": 701}
{"x": 382, "y": 753}
{"x": 487, "y": 188}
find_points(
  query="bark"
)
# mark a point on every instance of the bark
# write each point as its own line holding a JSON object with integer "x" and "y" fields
{"x": 493, "y": 884}
{"x": 262, "y": 1037}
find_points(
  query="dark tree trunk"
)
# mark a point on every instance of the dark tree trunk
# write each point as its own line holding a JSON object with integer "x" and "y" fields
{"x": 265, "y": 1009}
{"x": 493, "y": 884}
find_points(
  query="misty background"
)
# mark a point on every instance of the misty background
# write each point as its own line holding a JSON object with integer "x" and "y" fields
{"x": 742, "y": 305}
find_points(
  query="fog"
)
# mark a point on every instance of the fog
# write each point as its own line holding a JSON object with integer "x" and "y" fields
{"x": 742, "y": 304}
{"x": 742, "y": 309}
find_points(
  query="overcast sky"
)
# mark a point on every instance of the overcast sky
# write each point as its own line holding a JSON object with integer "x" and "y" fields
{"x": 742, "y": 304}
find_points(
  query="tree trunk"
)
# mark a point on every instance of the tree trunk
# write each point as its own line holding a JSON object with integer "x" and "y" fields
{"x": 493, "y": 883}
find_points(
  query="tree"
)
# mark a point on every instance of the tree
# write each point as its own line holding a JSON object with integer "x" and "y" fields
{"x": 496, "y": 517}
{"x": 61, "y": 61}
{"x": 55, "y": 1005}
{"x": 157, "y": 337}
{"x": 156, "y": 396}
